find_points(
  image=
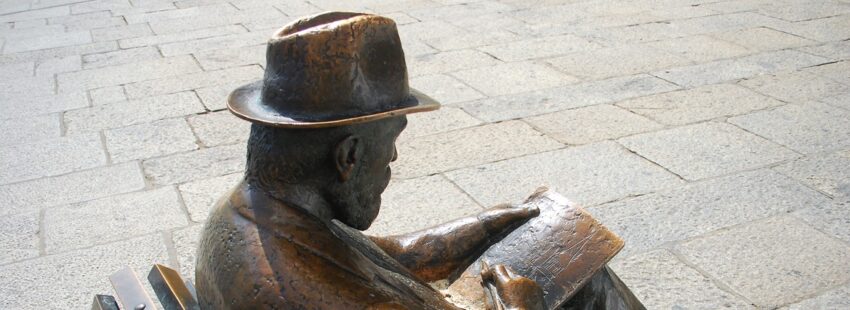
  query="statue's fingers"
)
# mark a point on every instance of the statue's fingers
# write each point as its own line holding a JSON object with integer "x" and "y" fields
{"x": 486, "y": 272}
{"x": 502, "y": 274}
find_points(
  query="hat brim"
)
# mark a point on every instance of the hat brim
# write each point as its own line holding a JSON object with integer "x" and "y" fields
{"x": 246, "y": 103}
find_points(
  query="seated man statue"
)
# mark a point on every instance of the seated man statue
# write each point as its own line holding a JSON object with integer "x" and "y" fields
{"x": 325, "y": 119}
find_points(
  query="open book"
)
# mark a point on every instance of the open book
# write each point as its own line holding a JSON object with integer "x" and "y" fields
{"x": 561, "y": 249}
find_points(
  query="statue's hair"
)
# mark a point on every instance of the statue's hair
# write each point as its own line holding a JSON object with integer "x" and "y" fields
{"x": 295, "y": 156}
{"x": 290, "y": 156}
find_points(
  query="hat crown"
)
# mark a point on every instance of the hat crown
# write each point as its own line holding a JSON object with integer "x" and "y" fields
{"x": 335, "y": 65}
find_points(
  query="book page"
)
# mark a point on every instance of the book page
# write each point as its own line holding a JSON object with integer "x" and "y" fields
{"x": 560, "y": 249}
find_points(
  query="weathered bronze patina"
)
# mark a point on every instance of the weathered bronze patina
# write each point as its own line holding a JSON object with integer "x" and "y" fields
{"x": 325, "y": 119}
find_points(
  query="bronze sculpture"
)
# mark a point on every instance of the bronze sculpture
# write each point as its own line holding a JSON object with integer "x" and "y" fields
{"x": 325, "y": 119}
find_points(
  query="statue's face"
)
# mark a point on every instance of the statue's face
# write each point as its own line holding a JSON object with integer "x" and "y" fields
{"x": 363, "y": 190}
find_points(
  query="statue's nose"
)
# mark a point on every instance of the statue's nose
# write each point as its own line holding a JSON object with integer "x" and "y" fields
{"x": 395, "y": 154}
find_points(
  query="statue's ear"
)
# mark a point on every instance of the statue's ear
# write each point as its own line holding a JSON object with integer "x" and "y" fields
{"x": 347, "y": 155}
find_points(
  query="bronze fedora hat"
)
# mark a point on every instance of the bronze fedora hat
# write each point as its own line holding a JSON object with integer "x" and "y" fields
{"x": 331, "y": 69}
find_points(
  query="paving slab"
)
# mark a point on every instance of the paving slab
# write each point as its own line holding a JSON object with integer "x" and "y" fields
{"x": 113, "y": 218}
{"x": 681, "y": 10}
{"x": 51, "y": 66}
{"x": 838, "y": 298}
{"x": 37, "y": 31}
{"x": 268, "y": 25}
{"x": 840, "y": 101}
{"x": 772, "y": 262}
{"x": 184, "y": 14}
{"x": 738, "y": 68}
{"x": 232, "y": 57}
{"x": 657, "y": 219}
{"x": 50, "y": 157}
{"x": 454, "y": 11}
{"x": 87, "y": 21}
{"x": 109, "y": 94}
{"x": 427, "y": 29}
{"x": 22, "y": 69}
{"x": 566, "y": 97}
{"x": 577, "y": 173}
{"x": 23, "y": 44}
{"x": 126, "y": 73}
{"x": 488, "y": 23}
{"x": 617, "y": 61}
{"x": 513, "y": 78}
{"x": 21, "y": 130}
{"x": 540, "y": 48}
{"x": 554, "y": 13}
{"x": 445, "y": 89}
{"x": 173, "y": 84}
{"x": 36, "y": 14}
{"x": 214, "y": 98}
{"x": 99, "y": 5}
{"x": 180, "y": 36}
{"x": 699, "y": 104}
{"x": 186, "y": 243}
{"x": 148, "y": 140}
{"x": 838, "y": 71}
{"x": 795, "y": 86}
{"x": 443, "y": 120}
{"x": 120, "y": 57}
{"x": 725, "y": 22}
{"x": 213, "y": 43}
{"x": 802, "y": 11}
{"x": 831, "y": 218}
{"x": 15, "y": 70}
{"x": 73, "y": 278}
{"x": 763, "y": 39}
{"x": 200, "y": 196}
{"x": 809, "y": 128}
{"x": 661, "y": 281}
{"x": 143, "y": 7}
{"x": 212, "y": 19}
{"x": 29, "y": 23}
{"x": 414, "y": 204}
{"x": 219, "y": 128}
{"x": 591, "y": 124}
{"x": 132, "y": 112}
{"x": 19, "y": 237}
{"x": 69, "y": 188}
{"x": 826, "y": 172}
{"x": 700, "y": 48}
{"x": 121, "y": 32}
{"x": 823, "y": 29}
{"x": 97, "y": 47}
{"x": 21, "y": 88}
{"x": 389, "y": 6}
{"x": 630, "y": 34}
{"x": 721, "y": 149}
{"x": 290, "y": 8}
{"x": 470, "y": 40}
{"x": 833, "y": 50}
{"x": 467, "y": 147}
{"x": 195, "y": 165}
{"x": 425, "y": 64}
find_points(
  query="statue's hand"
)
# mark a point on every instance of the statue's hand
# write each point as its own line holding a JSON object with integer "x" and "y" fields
{"x": 505, "y": 290}
{"x": 504, "y": 218}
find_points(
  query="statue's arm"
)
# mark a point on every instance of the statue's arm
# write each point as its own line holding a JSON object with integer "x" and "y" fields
{"x": 438, "y": 252}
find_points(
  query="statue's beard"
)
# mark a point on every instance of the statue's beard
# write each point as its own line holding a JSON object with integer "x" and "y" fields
{"x": 356, "y": 208}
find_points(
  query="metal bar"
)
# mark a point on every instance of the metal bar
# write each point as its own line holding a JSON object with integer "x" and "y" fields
{"x": 104, "y": 302}
{"x": 171, "y": 290}
{"x": 130, "y": 291}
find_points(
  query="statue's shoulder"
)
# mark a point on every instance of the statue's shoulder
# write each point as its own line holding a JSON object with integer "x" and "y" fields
{"x": 286, "y": 260}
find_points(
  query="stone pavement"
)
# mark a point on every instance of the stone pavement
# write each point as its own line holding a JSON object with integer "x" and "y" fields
{"x": 714, "y": 136}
